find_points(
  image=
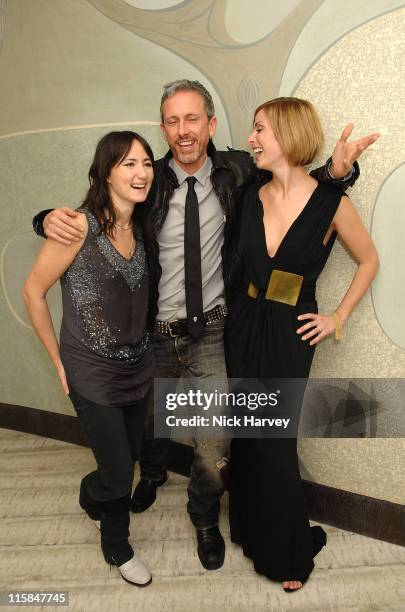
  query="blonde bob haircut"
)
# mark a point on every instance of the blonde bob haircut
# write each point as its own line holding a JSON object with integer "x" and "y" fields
{"x": 296, "y": 126}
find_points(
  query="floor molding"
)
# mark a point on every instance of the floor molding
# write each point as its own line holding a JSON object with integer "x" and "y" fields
{"x": 375, "y": 518}
{"x": 368, "y": 516}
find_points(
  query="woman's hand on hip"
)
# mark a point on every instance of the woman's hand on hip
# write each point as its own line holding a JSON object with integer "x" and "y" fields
{"x": 319, "y": 327}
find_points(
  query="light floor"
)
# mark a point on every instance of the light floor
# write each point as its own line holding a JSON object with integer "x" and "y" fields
{"x": 48, "y": 543}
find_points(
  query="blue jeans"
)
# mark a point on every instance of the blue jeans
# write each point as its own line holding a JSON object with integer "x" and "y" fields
{"x": 184, "y": 357}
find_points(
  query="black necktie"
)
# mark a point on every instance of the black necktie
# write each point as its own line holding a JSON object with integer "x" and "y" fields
{"x": 192, "y": 262}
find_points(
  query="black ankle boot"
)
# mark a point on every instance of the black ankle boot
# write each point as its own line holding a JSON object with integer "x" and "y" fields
{"x": 145, "y": 493}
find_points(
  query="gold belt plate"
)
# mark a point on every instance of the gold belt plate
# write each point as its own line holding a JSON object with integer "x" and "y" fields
{"x": 283, "y": 287}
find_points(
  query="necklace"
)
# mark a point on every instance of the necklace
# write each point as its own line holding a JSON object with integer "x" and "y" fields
{"x": 124, "y": 228}
{"x": 131, "y": 248}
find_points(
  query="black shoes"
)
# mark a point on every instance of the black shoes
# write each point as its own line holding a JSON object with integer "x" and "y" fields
{"x": 145, "y": 494}
{"x": 211, "y": 547}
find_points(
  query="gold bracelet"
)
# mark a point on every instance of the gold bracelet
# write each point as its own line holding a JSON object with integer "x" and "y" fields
{"x": 338, "y": 327}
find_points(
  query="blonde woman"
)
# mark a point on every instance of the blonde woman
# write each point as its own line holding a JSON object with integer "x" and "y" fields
{"x": 288, "y": 227}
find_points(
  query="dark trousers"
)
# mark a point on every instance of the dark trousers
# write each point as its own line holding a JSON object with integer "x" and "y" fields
{"x": 188, "y": 358}
{"x": 115, "y": 437}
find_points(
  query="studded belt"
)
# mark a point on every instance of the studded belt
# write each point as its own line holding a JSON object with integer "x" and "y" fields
{"x": 179, "y": 327}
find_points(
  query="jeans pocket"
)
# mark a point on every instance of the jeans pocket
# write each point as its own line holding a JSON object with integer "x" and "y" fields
{"x": 215, "y": 327}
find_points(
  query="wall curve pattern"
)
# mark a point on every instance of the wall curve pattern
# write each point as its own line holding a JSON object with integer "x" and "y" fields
{"x": 387, "y": 292}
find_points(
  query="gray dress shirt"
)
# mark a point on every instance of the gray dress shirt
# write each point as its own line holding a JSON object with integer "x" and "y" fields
{"x": 172, "y": 297}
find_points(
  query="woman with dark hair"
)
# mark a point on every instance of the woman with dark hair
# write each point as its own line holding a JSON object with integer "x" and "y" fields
{"x": 105, "y": 360}
{"x": 289, "y": 223}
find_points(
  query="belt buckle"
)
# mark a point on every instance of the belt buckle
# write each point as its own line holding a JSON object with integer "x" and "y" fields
{"x": 284, "y": 287}
{"x": 171, "y": 333}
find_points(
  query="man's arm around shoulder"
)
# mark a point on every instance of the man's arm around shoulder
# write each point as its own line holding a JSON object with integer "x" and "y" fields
{"x": 61, "y": 224}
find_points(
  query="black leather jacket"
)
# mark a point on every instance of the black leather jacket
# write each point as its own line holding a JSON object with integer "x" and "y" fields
{"x": 231, "y": 172}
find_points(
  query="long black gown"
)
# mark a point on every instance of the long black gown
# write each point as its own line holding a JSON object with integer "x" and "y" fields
{"x": 268, "y": 514}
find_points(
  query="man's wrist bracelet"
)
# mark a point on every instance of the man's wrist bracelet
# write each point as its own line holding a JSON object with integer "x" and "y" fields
{"x": 345, "y": 178}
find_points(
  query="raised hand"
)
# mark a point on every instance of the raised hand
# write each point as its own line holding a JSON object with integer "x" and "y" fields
{"x": 346, "y": 153}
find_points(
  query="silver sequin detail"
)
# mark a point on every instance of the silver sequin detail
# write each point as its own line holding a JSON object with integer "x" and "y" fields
{"x": 133, "y": 269}
{"x": 83, "y": 282}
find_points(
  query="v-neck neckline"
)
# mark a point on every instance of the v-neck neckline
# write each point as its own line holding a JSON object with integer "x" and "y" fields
{"x": 120, "y": 254}
{"x": 297, "y": 218}
{"x": 132, "y": 270}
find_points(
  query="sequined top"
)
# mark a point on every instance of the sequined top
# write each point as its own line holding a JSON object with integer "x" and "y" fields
{"x": 105, "y": 349}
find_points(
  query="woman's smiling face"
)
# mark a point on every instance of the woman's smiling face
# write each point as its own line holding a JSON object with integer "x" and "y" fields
{"x": 131, "y": 179}
{"x": 265, "y": 146}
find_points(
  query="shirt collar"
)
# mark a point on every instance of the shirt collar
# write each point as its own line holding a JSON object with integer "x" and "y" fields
{"x": 201, "y": 175}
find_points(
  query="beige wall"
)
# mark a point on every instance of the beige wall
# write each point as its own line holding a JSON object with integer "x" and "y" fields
{"x": 72, "y": 70}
